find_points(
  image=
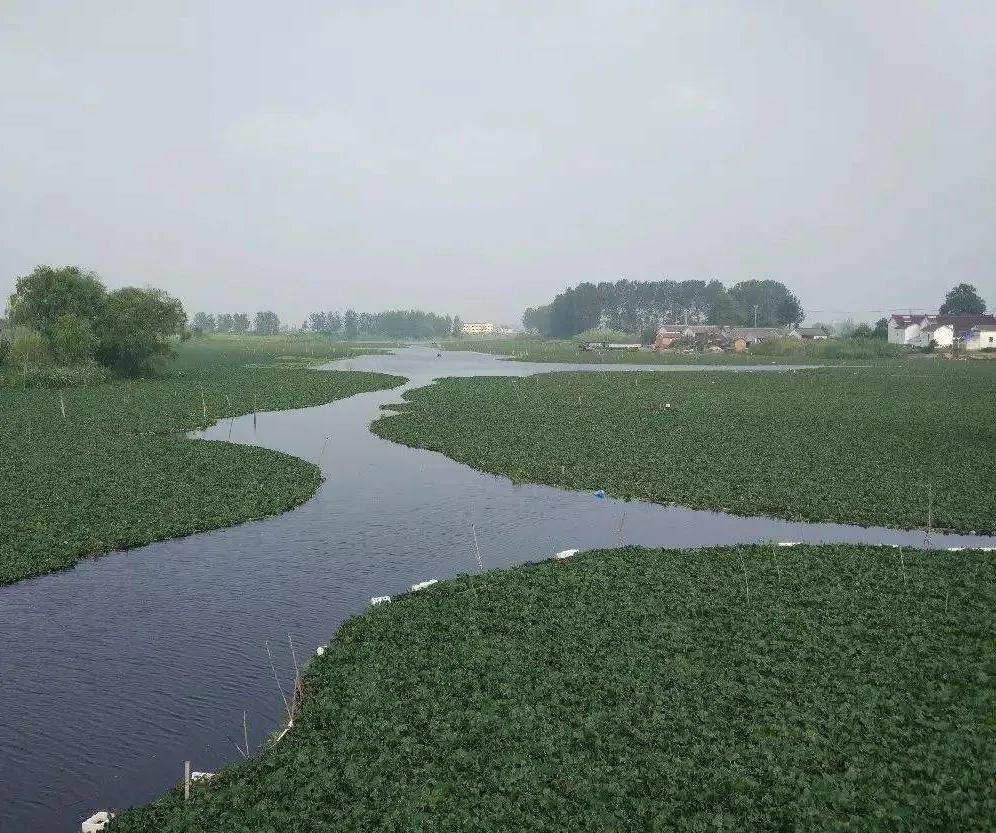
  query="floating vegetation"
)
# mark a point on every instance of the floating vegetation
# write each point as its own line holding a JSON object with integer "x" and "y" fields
{"x": 642, "y": 690}
{"x": 100, "y": 467}
{"x": 909, "y": 446}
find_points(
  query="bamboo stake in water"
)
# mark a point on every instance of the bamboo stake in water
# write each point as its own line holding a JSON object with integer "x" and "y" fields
{"x": 186, "y": 780}
{"x": 902, "y": 564}
{"x": 290, "y": 716}
{"x": 297, "y": 676}
{"x": 480, "y": 561}
{"x": 62, "y": 404}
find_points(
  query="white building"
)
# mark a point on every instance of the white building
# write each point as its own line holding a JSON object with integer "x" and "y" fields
{"x": 905, "y": 329}
{"x": 919, "y": 330}
{"x": 933, "y": 331}
{"x": 980, "y": 337}
{"x": 478, "y": 328}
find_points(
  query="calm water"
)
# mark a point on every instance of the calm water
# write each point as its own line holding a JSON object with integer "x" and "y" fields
{"x": 115, "y": 672}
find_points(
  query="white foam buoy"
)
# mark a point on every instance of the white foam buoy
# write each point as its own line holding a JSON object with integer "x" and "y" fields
{"x": 560, "y": 556}
{"x": 97, "y": 822}
{"x": 320, "y": 651}
{"x": 955, "y": 549}
{"x": 379, "y": 600}
{"x": 423, "y": 584}
{"x": 201, "y": 776}
{"x": 788, "y": 543}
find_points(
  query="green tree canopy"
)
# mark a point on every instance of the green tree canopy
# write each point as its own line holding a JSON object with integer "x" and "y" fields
{"x": 73, "y": 339}
{"x": 42, "y": 297}
{"x": 135, "y": 327}
{"x": 963, "y": 300}
{"x": 350, "y": 324}
{"x": 267, "y": 323}
{"x": 775, "y": 304}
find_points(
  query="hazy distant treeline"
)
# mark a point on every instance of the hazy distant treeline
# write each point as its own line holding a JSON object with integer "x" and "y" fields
{"x": 634, "y": 306}
{"x": 394, "y": 323}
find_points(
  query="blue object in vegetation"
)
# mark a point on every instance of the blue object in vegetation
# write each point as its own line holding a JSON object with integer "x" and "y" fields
{"x": 600, "y": 493}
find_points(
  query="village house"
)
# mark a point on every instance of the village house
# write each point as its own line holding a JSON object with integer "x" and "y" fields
{"x": 753, "y": 335}
{"x": 666, "y": 336}
{"x": 812, "y": 333}
{"x": 920, "y": 329}
{"x": 478, "y": 328}
{"x": 980, "y": 337}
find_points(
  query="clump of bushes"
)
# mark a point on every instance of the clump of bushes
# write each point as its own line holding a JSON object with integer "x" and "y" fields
{"x": 65, "y": 317}
{"x": 831, "y": 348}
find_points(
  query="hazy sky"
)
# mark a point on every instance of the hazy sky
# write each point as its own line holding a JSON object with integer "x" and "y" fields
{"x": 475, "y": 158}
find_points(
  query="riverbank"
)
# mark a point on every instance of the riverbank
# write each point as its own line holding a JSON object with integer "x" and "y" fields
{"x": 100, "y": 467}
{"x": 899, "y": 446}
{"x": 751, "y": 688}
{"x": 781, "y": 352}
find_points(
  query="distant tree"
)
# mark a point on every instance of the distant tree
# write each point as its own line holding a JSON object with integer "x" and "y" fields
{"x": 267, "y": 323}
{"x": 223, "y": 323}
{"x": 774, "y": 304}
{"x": 350, "y": 325}
{"x": 862, "y": 331}
{"x": 203, "y": 322}
{"x": 457, "y": 330}
{"x": 240, "y": 323}
{"x": 40, "y": 298}
{"x": 333, "y": 323}
{"x": 73, "y": 340}
{"x": 963, "y": 300}
{"x": 881, "y": 330}
{"x": 537, "y": 319}
{"x": 135, "y": 327}
{"x": 319, "y": 322}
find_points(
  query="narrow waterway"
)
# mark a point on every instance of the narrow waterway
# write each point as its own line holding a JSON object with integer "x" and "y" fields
{"x": 115, "y": 672}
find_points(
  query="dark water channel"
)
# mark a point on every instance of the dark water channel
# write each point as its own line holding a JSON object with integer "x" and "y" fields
{"x": 115, "y": 672}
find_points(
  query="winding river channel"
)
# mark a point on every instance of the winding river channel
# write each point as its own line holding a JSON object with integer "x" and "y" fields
{"x": 115, "y": 672}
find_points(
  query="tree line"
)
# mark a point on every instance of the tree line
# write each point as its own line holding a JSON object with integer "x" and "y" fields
{"x": 67, "y": 316}
{"x": 635, "y": 306}
{"x": 393, "y": 324}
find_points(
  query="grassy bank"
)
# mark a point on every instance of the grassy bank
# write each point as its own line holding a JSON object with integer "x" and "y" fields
{"x": 782, "y": 351}
{"x": 837, "y": 688}
{"x": 901, "y": 446}
{"x": 536, "y": 350}
{"x": 112, "y": 473}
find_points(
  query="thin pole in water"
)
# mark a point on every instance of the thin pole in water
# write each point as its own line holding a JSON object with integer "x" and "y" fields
{"x": 477, "y": 547}
{"x": 280, "y": 688}
{"x": 186, "y": 780}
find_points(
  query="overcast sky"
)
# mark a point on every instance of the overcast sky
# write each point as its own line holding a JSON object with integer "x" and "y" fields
{"x": 298, "y": 156}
